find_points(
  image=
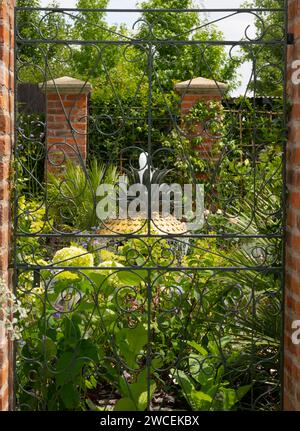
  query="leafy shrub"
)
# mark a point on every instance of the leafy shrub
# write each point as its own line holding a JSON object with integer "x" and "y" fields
{"x": 72, "y": 197}
{"x": 205, "y": 386}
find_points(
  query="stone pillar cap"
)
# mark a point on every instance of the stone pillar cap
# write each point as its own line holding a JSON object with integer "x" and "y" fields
{"x": 201, "y": 86}
{"x": 66, "y": 84}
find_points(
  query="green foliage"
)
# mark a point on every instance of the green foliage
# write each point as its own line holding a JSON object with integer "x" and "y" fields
{"x": 130, "y": 342}
{"x": 76, "y": 337}
{"x": 120, "y": 106}
{"x": 72, "y": 199}
{"x": 204, "y": 121}
{"x": 249, "y": 169}
{"x": 135, "y": 395}
{"x": 268, "y": 60}
{"x": 62, "y": 388}
{"x": 211, "y": 304}
{"x": 41, "y": 62}
{"x": 205, "y": 387}
{"x": 181, "y": 62}
{"x": 30, "y": 153}
{"x": 32, "y": 220}
{"x": 92, "y": 60}
{"x": 26, "y": 23}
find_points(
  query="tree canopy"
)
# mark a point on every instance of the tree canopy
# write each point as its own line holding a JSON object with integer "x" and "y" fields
{"x": 268, "y": 61}
{"x": 175, "y": 62}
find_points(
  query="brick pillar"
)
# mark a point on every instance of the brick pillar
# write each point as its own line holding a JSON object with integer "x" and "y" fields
{"x": 66, "y": 118}
{"x": 6, "y": 140}
{"x": 292, "y": 285}
{"x": 191, "y": 92}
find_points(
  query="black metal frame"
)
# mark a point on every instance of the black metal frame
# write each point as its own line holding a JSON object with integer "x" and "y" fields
{"x": 263, "y": 268}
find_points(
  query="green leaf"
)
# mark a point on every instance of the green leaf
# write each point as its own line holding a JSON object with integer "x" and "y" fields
{"x": 129, "y": 278}
{"x": 70, "y": 396}
{"x": 203, "y": 370}
{"x": 139, "y": 393}
{"x": 212, "y": 390}
{"x": 124, "y": 387}
{"x": 226, "y": 340}
{"x": 47, "y": 348}
{"x": 87, "y": 350}
{"x": 137, "y": 337}
{"x": 68, "y": 367}
{"x": 242, "y": 390}
{"x": 143, "y": 401}
{"x": 65, "y": 360}
{"x": 131, "y": 342}
{"x": 96, "y": 276}
{"x": 71, "y": 330}
{"x": 125, "y": 405}
{"x": 213, "y": 348}
{"x": 229, "y": 398}
{"x": 199, "y": 395}
{"x": 184, "y": 381}
{"x": 197, "y": 347}
{"x": 91, "y": 405}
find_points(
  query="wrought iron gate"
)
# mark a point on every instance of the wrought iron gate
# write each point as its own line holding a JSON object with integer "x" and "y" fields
{"x": 144, "y": 313}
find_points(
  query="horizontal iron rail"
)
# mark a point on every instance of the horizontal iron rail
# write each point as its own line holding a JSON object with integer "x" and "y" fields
{"x": 167, "y": 42}
{"x": 151, "y": 268}
{"x": 159, "y": 10}
{"x": 137, "y": 236}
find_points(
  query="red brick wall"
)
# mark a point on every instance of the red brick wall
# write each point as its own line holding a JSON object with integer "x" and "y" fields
{"x": 189, "y": 100}
{"x": 207, "y": 148}
{"x": 292, "y": 290}
{"x": 66, "y": 128}
{"x": 6, "y": 136}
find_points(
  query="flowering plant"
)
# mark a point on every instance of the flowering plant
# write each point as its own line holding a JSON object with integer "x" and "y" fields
{"x": 11, "y": 312}
{"x": 74, "y": 256}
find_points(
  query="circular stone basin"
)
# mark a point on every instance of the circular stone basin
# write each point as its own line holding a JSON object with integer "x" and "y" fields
{"x": 167, "y": 225}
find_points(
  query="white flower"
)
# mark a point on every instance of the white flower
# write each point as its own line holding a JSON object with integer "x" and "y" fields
{"x": 10, "y": 307}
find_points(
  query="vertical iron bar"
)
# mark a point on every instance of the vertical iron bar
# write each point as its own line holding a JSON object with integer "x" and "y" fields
{"x": 149, "y": 350}
{"x": 149, "y": 216}
{"x": 254, "y": 142}
{"x": 149, "y": 123}
{"x": 284, "y": 197}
